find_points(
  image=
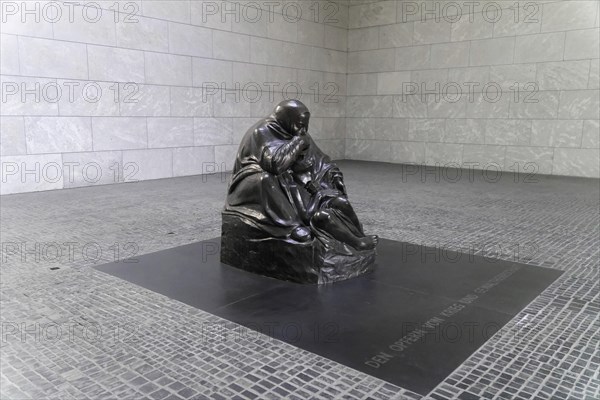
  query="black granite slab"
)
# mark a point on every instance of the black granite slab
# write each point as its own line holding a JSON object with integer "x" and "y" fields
{"x": 411, "y": 322}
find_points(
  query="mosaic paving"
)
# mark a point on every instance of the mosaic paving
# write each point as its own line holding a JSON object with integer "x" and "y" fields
{"x": 69, "y": 332}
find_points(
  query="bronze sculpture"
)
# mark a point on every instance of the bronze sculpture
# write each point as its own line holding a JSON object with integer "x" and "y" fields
{"x": 287, "y": 214}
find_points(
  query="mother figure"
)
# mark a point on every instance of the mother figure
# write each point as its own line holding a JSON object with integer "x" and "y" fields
{"x": 289, "y": 188}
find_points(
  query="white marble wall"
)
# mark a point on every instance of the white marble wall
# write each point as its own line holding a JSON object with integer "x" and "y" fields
{"x": 538, "y": 63}
{"x": 132, "y": 90}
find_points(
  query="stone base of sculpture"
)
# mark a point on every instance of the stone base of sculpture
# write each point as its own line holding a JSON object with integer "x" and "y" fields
{"x": 246, "y": 246}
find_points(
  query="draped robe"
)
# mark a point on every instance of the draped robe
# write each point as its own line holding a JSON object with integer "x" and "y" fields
{"x": 275, "y": 189}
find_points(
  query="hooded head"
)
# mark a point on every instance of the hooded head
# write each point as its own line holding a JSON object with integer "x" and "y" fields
{"x": 293, "y": 116}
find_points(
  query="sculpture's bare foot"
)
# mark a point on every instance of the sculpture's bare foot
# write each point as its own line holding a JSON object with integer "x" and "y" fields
{"x": 301, "y": 234}
{"x": 368, "y": 242}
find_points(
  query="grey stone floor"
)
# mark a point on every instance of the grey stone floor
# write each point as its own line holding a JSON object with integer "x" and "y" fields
{"x": 70, "y": 332}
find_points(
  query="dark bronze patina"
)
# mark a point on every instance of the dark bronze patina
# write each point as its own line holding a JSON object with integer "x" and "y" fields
{"x": 287, "y": 213}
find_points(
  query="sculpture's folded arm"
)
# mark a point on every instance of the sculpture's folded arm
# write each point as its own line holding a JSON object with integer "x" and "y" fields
{"x": 283, "y": 157}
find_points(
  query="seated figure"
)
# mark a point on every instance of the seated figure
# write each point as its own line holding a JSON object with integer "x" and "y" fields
{"x": 286, "y": 187}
